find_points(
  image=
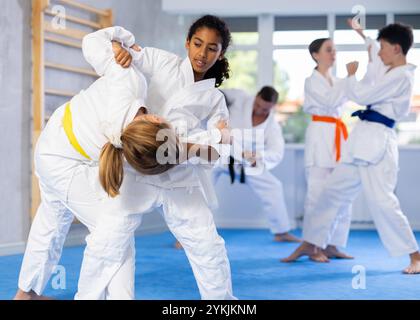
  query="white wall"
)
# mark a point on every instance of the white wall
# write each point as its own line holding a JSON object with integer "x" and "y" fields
{"x": 285, "y": 7}
{"x": 15, "y": 114}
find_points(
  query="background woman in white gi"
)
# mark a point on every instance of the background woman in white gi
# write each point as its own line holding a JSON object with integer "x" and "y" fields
{"x": 324, "y": 100}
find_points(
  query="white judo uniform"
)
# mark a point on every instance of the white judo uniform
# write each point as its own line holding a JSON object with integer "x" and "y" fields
{"x": 69, "y": 184}
{"x": 370, "y": 160}
{"x": 324, "y": 100}
{"x": 262, "y": 182}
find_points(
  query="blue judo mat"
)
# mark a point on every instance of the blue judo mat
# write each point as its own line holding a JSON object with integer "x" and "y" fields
{"x": 164, "y": 273}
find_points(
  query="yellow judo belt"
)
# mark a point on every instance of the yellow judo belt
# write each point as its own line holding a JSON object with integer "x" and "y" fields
{"x": 68, "y": 129}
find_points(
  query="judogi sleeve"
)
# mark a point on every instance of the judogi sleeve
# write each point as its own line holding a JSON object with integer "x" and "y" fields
{"x": 218, "y": 112}
{"x": 383, "y": 89}
{"x": 127, "y": 88}
{"x": 97, "y": 47}
{"x": 375, "y": 67}
{"x": 126, "y": 93}
{"x": 211, "y": 135}
{"x": 150, "y": 61}
{"x": 128, "y": 85}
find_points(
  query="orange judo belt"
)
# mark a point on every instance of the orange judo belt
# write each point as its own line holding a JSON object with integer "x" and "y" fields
{"x": 340, "y": 129}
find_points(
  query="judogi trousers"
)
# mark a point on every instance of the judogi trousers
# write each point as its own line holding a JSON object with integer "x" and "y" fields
{"x": 378, "y": 182}
{"x": 316, "y": 180}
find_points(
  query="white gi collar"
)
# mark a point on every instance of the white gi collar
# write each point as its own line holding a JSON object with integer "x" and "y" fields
{"x": 188, "y": 73}
{"x": 318, "y": 74}
{"x": 407, "y": 67}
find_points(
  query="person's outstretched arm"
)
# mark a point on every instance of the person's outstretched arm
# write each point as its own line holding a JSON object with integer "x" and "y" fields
{"x": 375, "y": 66}
{"x": 192, "y": 150}
{"x": 367, "y": 94}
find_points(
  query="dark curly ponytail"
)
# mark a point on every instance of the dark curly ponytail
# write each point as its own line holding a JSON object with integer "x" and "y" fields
{"x": 220, "y": 70}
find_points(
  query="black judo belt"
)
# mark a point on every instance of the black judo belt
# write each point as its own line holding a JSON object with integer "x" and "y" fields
{"x": 232, "y": 171}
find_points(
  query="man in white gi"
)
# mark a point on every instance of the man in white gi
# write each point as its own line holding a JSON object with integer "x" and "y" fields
{"x": 252, "y": 117}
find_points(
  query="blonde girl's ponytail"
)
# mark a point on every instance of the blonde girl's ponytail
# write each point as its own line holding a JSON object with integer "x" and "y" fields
{"x": 111, "y": 172}
{"x": 138, "y": 145}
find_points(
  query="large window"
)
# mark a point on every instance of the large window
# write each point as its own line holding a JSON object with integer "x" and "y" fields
{"x": 301, "y": 37}
{"x": 292, "y": 64}
{"x": 293, "y": 59}
{"x": 245, "y": 38}
{"x": 243, "y": 66}
{"x": 350, "y": 37}
{"x": 243, "y": 56}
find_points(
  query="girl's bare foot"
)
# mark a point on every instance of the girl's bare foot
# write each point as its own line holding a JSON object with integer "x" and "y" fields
{"x": 414, "y": 267}
{"x": 286, "y": 237}
{"x": 319, "y": 256}
{"x": 178, "y": 245}
{"x": 22, "y": 295}
{"x": 305, "y": 249}
{"x": 333, "y": 253}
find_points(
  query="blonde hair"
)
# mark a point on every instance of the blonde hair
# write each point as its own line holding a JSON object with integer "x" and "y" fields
{"x": 140, "y": 144}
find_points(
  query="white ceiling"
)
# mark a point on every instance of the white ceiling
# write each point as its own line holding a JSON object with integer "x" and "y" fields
{"x": 287, "y": 7}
